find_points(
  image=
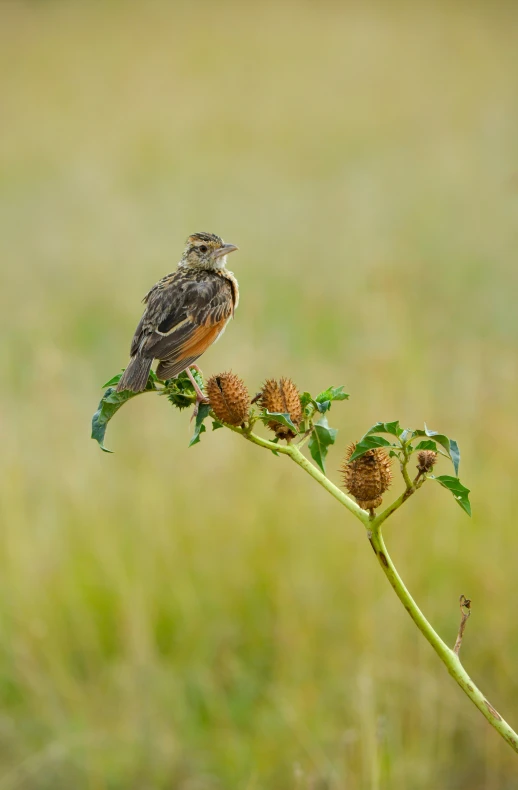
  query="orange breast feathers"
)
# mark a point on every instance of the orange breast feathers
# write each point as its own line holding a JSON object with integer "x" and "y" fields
{"x": 202, "y": 337}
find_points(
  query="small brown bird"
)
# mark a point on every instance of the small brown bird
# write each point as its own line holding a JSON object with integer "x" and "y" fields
{"x": 186, "y": 311}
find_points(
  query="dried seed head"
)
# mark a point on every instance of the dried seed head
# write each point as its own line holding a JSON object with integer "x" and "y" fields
{"x": 229, "y": 398}
{"x": 426, "y": 461}
{"x": 282, "y": 397}
{"x": 368, "y": 477}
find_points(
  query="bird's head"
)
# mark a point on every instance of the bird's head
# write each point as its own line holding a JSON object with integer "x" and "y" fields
{"x": 206, "y": 251}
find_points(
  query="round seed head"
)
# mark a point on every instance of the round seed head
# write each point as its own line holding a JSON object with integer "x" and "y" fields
{"x": 281, "y": 397}
{"x": 229, "y": 398}
{"x": 368, "y": 477}
{"x": 426, "y": 461}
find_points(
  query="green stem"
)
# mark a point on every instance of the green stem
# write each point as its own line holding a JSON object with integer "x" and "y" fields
{"x": 404, "y": 470}
{"x": 391, "y": 508}
{"x": 330, "y": 487}
{"x": 293, "y": 451}
{"x": 252, "y": 437}
{"x": 447, "y": 656}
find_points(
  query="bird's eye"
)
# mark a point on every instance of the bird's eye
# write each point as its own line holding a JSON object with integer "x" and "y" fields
{"x": 203, "y": 248}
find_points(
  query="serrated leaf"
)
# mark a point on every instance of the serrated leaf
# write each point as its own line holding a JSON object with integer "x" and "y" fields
{"x": 369, "y": 443}
{"x": 322, "y": 437}
{"x": 216, "y": 424}
{"x": 283, "y": 418}
{"x": 392, "y": 428}
{"x": 306, "y": 399}
{"x": 460, "y": 492}
{"x": 323, "y": 406}
{"x": 437, "y": 437}
{"x": 109, "y": 404}
{"x": 180, "y": 391}
{"x": 426, "y": 445}
{"x": 114, "y": 380}
{"x": 199, "y": 427}
{"x": 450, "y": 445}
{"x": 330, "y": 394}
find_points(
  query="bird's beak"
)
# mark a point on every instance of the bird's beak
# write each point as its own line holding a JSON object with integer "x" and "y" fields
{"x": 225, "y": 250}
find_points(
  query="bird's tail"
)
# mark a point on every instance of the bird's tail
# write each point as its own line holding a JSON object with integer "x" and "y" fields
{"x": 136, "y": 374}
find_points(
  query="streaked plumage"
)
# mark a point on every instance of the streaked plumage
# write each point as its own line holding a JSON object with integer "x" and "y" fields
{"x": 186, "y": 311}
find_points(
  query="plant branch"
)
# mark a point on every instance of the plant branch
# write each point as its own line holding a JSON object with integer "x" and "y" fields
{"x": 316, "y": 474}
{"x": 294, "y": 452}
{"x": 448, "y": 657}
{"x": 404, "y": 470}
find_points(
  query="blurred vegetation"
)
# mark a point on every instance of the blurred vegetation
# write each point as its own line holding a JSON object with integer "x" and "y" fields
{"x": 204, "y": 618}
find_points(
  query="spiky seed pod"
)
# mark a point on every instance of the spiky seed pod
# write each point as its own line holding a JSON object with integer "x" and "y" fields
{"x": 426, "y": 461}
{"x": 229, "y": 398}
{"x": 282, "y": 397}
{"x": 368, "y": 477}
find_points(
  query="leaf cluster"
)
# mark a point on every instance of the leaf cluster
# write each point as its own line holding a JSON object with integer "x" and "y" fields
{"x": 404, "y": 442}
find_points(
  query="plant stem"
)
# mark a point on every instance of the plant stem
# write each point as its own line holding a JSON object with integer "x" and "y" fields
{"x": 330, "y": 487}
{"x": 295, "y": 454}
{"x": 404, "y": 470}
{"x": 447, "y": 656}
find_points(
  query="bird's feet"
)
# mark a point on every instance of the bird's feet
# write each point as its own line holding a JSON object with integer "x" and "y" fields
{"x": 196, "y": 409}
{"x": 200, "y": 395}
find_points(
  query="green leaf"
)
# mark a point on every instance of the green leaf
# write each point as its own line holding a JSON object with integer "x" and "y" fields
{"x": 427, "y": 445}
{"x": 114, "y": 380}
{"x": 216, "y": 424}
{"x": 180, "y": 391}
{"x": 455, "y": 455}
{"x": 199, "y": 427}
{"x": 369, "y": 443}
{"x": 275, "y": 441}
{"x": 324, "y": 399}
{"x": 323, "y": 406}
{"x": 309, "y": 405}
{"x": 283, "y": 418}
{"x": 109, "y": 404}
{"x": 322, "y": 437}
{"x": 306, "y": 399}
{"x": 460, "y": 492}
{"x": 450, "y": 445}
{"x": 392, "y": 428}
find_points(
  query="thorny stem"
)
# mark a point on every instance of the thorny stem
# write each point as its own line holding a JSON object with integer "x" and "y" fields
{"x": 448, "y": 656}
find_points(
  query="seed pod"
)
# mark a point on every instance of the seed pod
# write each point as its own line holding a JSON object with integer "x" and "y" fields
{"x": 282, "y": 397}
{"x": 426, "y": 461}
{"x": 229, "y": 398}
{"x": 368, "y": 477}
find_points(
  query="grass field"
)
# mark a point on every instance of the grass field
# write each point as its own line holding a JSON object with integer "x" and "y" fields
{"x": 207, "y": 618}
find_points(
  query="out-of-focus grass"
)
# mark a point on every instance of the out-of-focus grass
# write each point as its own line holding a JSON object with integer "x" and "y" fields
{"x": 206, "y": 618}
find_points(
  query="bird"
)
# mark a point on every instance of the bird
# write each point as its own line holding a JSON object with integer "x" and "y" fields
{"x": 186, "y": 311}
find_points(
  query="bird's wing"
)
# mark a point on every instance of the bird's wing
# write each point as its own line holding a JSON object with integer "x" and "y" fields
{"x": 184, "y": 317}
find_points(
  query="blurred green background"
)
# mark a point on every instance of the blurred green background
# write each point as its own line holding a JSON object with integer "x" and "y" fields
{"x": 209, "y": 618}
